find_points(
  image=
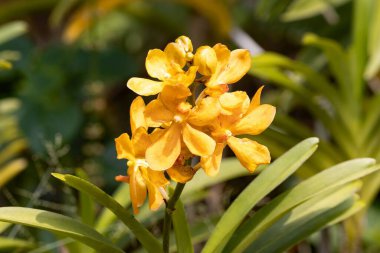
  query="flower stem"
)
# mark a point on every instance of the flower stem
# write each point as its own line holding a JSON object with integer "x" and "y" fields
{"x": 168, "y": 215}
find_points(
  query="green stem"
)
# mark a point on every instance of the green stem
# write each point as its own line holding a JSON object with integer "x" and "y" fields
{"x": 168, "y": 215}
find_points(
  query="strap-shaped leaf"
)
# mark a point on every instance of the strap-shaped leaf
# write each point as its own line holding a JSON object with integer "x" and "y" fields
{"x": 149, "y": 242}
{"x": 59, "y": 224}
{"x": 268, "y": 179}
{"x": 181, "y": 229}
{"x": 324, "y": 181}
{"x": 305, "y": 219}
{"x": 11, "y": 244}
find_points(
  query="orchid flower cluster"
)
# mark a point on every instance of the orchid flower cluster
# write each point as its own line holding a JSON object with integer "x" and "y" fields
{"x": 193, "y": 116}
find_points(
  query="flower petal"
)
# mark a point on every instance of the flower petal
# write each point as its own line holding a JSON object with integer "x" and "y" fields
{"x": 205, "y": 59}
{"x": 255, "y": 100}
{"x": 137, "y": 188}
{"x": 157, "y": 178}
{"x": 211, "y": 164}
{"x": 198, "y": 143}
{"x": 256, "y": 121}
{"x": 124, "y": 147}
{"x": 141, "y": 142}
{"x": 181, "y": 174}
{"x": 250, "y": 153}
{"x": 136, "y": 113}
{"x": 205, "y": 112}
{"x": 184, "y": 79}
{"x": 234, "y": 103}
{"x": 176, "y": 54}
{"x": 156, "y": 113}
{"x": 158, "y": 65}
{"x": 162, "y": 154}
{"x": 185, "y": 43}
{"x": 238, "y": 65}
{"x": 145, "y": 87}
{"x": 174, "y": 97}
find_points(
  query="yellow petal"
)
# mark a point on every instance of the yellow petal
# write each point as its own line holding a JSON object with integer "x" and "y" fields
{"x": 157, "y": 178}
{"x": 145, "y": 87}
{"x": 198, "y": 143}
{"x": 222, "y": 54}
{"x": 156, "y": 113}
{"x": 173, "y": 96}
{"x": 176, "y": 54}
{"x": 256, "y": 121}
{"x": 141, "y": 142}
{"x": 155, "y": 197}
{"x": 136, "y": 113}
{"x": 205, "y": 112}
{"x": 205, "y": 59}
{"x": 255, "y": 100}
{"x": 238, "y": 65}
{"x": 250, "y": 153}
{"x": 162, "y": 154}
{"x": 184, "y": 79}
{"x": 137, "y": 188}
{"x": 211, "y": 164}
{"x": 234, "y": 103}
{"x": 124, "y": 147}
{"x": 185, "y": 43}
{"x": 181, "y": 174}
{"x": 158, "y": 65}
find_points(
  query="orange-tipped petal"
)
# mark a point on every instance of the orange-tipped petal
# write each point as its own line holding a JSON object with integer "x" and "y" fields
{"x": 155, "y": 196}
{"x": 256, "y": 121}
{"x": 181, "y": 174}
{"x": 141, "y": 141}
{"x": 124, "y": 147}
{"x": 255, "y": 100}
{"x": 197, "y": 142}
{"x": 136, "y": 113}
{"x": 234, "y": 103}
{"x": 205, "y": 112}
{"x": 250, "y": 153}
{"x": 211, "y": 164}
{"x": 156, "y": 113}
{"x": 121, "y": 178}
{"x": 162, "y": 154}
{"x": 145, "y": 87}
{"x": 238, "y": 65}
{"x": 205, "y": 59}
{"x": 137, "y": 188}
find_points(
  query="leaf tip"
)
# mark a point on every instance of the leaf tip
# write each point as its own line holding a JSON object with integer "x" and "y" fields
{"x": 59, "y": 176}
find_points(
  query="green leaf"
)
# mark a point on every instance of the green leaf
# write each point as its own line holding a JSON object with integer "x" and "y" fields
{"x": 149, "y": 242}
{"x": 181, "y": 229}
{"x": 305, "y": 219}
{"x": 324, "y": 181}
{"x": 86, "y": 204}
{"x": 373, "y": 65}
{"x": 302, "y": 9}
{"x": 271, "y": 177}
{"x": 12, "y": 30}
{"x": 10, "y": 244}
{"x": 59, "y": 224}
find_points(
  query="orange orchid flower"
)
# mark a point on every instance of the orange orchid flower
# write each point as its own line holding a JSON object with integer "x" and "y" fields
{"x": 167, "y": 66}
{"x": 140, "y": 177}
{"x": 238, "y": 117}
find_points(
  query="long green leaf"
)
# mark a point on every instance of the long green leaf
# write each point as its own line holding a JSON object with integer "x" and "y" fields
{"x": 181, "y": 229}
{"x": 330, "y": 178}
{"x": 271, "y": 177}
{"x": 149, "y": 242}
{"x": 373, "y": 64}
{"x": 58, "y": 223}
{"x": 10, "y": 170}
{"x": 306, "y": 219}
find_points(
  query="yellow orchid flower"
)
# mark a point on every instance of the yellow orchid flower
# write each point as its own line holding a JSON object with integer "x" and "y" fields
{"x": 171, "y": 111}
{"x": 237, "y": 117}
{"x": 221, "y": 67}
{"x": 140, "y": 177}
{"x": 166, "y": 66}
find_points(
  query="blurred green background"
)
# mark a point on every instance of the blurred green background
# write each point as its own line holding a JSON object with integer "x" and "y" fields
{"x": 63, "y": 99}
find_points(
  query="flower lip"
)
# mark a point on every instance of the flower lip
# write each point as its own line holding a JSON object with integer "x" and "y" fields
{"x": 138, "y": 163}
{"x": 177, "y": 118}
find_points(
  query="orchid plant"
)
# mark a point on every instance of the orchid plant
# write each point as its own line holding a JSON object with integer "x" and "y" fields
{"x": 179, "y": 138}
